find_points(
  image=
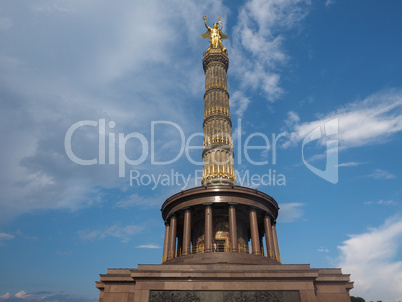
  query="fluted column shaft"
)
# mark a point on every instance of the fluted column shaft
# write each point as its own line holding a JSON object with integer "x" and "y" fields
{"x": 208, "y": 229}
{"x": 276, "y": 245}
{"x": 233, "y": 227}
{"x": 166, "y": 242}
{"x": 172, "y": 237}
{"x": 268, "y": 237}
{"x": 186, "y": 231}
{"x": 255, "y": 238}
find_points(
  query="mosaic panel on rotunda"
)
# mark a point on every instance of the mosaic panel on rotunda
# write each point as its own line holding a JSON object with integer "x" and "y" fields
{"x": 224, "y": 296}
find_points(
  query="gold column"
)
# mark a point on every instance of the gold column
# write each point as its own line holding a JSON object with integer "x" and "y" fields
{"x": 166, "y": 242}
{"x": 276, "y": 246}
{"x": 233, "y": 227}
{"x": 208, "y": 228}
{"x": 218, "y": 150}
{"x": 268, "y": 237}
{"x": 186, "y": 231}
{"x": 172, "y": 237}
{"x": 255, "y": 238}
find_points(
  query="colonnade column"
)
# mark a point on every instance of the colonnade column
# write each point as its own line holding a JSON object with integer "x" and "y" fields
{"x": 233, "y": 227}
{"x": 208, "y": 228}
{"x": 186, "y": 231}
{"x": 268, "y": 237}
{"x": 276, "y": 246}
{"x": 172, "y": 237}
{"x": 255, "y": 238}
{"x": 166, "y": 242}
{"x": 261, "y": 245}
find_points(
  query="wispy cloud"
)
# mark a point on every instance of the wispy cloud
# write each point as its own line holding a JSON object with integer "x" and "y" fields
{"x": 370, "y": 258}
{"x": 5, "y": 296}
{"x": 290, "y": 212}
{"x": 138, "y": 200}
{"x": 381, "y": 174}
{"x": 371, "y": 121}
{"x": 102, "y": 76}
{"x": 382, "y": 202}
{"x": 148, "y": 246}
{"x": 45, "y": 296}
{"x": 257, "y": 45}
{"x": 239, "y": 103}
{"x": 50, "y": 8}
{"x": 350, "y": 164}
{"x": 124, "y": 233}
{"x": 109, "y": 76}
{"x": 323, "y": 250}
{"x": 24, "y": 295}
{"x": 5, "y": 236}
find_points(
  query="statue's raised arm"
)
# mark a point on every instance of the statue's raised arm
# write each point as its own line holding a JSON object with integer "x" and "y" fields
{"x": 215, "y": 35}
{"x": 205, "y": 21}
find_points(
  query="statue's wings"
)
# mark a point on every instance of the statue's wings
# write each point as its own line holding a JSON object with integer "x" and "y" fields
{"x": 206, "y": 35}
{"x": 224, "y": 37}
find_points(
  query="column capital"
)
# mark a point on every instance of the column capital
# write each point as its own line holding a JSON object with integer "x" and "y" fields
{"x": 207, "y": 204}
{"x": 186, "y": 208}
{"x": 230, "y": 203}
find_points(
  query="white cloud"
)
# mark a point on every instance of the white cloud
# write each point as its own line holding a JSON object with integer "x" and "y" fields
{"x": 370, "y": 258}
{"x": 148, "y": 246}
{"x": 29, "y": 296}
{"x": 258, "y": 42}
{"x": 239, "y": 103}
{"x": 132, "y": 200}
{"x": 387, "y": 202}
{"x": 5, "y": 236}
{"x": 381, "y": 174}
{"x": 350, "y": 164}
{"x": 124, "y": 233}
{"x": 290, "y": 212}
{"x": 328, "y": 3}
{"x": 121, "y": 60}
{"x": 45, "y": 296}
{"x": 323, "y": 250}
{"x": 371, "y": 121}
{"x": 382, "y": 202}
{"x": 50, "y": 8}
{"x": 22, "y": 295}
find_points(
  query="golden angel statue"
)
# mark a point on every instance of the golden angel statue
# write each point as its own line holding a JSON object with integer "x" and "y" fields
{"x": 215, "y": 35}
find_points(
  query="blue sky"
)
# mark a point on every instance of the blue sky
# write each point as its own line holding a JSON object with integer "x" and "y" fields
{"x": 295, "y": 66}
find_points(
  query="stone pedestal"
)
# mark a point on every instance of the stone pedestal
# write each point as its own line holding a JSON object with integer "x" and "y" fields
{"x": 224, "y": 283}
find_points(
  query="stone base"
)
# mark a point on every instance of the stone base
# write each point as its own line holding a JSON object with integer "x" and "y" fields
{"x": 221, "y": 258}
{"x": 224, "y": 282}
